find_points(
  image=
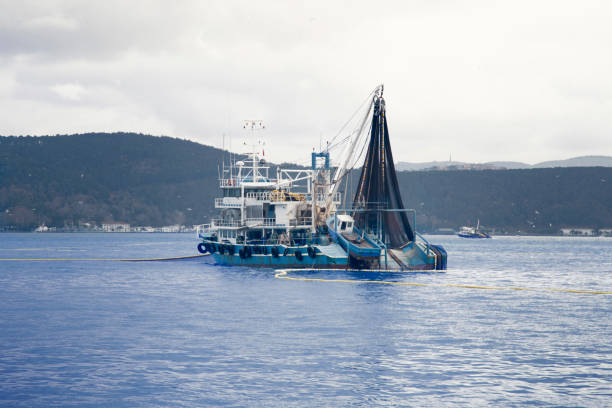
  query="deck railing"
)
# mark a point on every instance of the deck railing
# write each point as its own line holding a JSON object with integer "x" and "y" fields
{"x": 253, "y": 222}
{"x": 202, "y": 229}
{"x": 423, "y": 243}
{"x": 237, "y": 182}
{"x": 301, "y": 221}
{"x": 229, "y": 182}
{"x": 260, "y": 196}
{"x": 222, "y": 203}
{"x": 277, "y": 196}
{"x": 217, "y": 222}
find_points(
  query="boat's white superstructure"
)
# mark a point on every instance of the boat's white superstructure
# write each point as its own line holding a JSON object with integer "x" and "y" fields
{"x": 283, "y": 209}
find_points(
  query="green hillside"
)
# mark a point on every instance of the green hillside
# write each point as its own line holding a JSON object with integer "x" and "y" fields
{"x": 530, "y": 200}
{"x": 146, "y": 180}
{"x": 96, "y": 177}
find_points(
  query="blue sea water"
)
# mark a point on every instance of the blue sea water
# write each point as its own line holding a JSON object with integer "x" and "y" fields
{"x": 189, "y": 333}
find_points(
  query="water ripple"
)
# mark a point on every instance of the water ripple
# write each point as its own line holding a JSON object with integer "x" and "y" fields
{"x": 190, "y": 333}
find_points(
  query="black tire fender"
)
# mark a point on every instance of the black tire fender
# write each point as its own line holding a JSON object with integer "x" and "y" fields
{"x": 311, "y": 252}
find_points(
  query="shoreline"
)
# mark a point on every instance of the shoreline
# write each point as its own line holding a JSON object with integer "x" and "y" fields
{"x": 191, "y": 232}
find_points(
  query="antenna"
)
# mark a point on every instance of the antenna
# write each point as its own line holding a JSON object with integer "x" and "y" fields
{"x": 254, "y": 125}
{"x": 223, "y": 151}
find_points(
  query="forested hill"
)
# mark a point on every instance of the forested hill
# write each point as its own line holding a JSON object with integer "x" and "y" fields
{"x": 146, "y": 180}
{"x": 528, "y": 201}
{"x": 96, "y": 177}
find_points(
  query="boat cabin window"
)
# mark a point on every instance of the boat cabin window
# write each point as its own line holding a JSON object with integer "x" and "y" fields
{"x": 231, "y": 192}
{"x": 343, "y": 225}
{"x": 227, "y": 234}
{"x": 349, "y": 225}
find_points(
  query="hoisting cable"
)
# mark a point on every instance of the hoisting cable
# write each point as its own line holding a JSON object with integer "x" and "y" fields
{"x": 353, "y": 116}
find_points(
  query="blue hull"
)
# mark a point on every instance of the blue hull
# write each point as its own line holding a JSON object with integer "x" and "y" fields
{"x": 331, "y": 256}
{"x": 277, "y": 256}
{"x": 287, "y": 261}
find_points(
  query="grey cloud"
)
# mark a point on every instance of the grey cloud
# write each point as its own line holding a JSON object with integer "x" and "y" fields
{"x": 480, "y": 79}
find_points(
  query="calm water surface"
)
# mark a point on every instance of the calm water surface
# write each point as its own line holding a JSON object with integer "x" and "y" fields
{"x": 189, "y": 333}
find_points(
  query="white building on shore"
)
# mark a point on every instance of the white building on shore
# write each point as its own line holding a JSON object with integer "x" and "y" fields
{"x": 580, "y": 232}
{"x": 605, "y": 232}
{"x": 116, "y": 227}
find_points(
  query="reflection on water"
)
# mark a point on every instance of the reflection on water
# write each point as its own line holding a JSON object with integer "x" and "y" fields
{"x": 190, "y": 333}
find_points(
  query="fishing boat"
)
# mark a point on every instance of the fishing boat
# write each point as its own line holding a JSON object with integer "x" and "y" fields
{"x": 300, "y": 218}
{"x": 472, "y": 232}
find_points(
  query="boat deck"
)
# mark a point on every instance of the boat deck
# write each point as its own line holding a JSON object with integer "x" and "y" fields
{"x": 332, "y": 250}
{"x": 357, "y": 240}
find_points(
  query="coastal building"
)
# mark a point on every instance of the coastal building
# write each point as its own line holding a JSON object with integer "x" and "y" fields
{"x": 605, "y": 232}
{"x": 582, "y": 232}
{"x": 116, "y": 227}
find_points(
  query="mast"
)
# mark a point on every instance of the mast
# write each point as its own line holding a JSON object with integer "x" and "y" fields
{"x": 345, "y": 167}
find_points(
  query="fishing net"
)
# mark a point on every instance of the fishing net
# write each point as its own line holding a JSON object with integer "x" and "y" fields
{"x": 378, "y": 188}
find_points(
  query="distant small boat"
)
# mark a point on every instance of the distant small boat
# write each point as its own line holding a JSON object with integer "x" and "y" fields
{"x": 41, "y": 228}
{"x": 473, "y": 232}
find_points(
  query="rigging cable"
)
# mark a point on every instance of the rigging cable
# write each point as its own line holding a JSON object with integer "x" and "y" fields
{"x": 353, "y": 115}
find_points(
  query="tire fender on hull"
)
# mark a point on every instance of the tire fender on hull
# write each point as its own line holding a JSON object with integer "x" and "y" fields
{"x": 311, "y": 252}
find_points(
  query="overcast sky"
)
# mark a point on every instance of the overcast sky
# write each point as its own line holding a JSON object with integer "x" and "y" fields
{"x": 481, "y": 80}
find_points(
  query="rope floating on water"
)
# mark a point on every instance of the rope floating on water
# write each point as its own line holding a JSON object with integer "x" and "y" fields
{"x": 176, "y": 258}
{"x": 284, "y": 274}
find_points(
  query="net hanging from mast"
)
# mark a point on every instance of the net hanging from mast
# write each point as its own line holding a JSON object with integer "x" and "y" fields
{"x": 378, "y": 188}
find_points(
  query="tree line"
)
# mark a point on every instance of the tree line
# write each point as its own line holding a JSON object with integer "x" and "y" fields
{"x": 148, "y": 180}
